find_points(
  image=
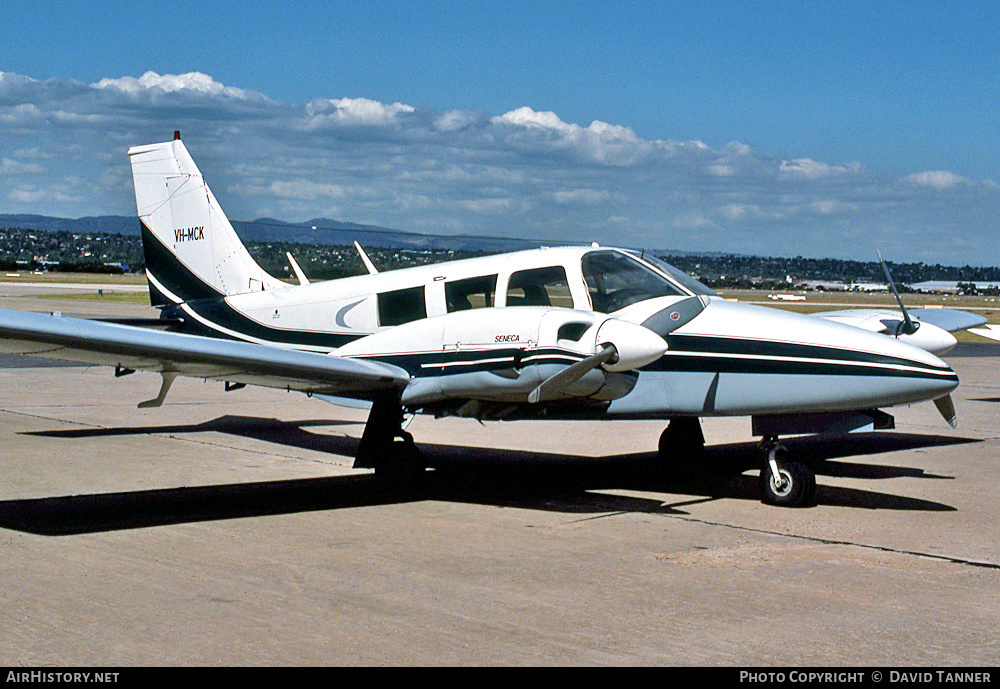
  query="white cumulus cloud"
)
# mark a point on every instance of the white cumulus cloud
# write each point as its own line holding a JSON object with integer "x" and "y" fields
{"x": 172, "y": 83}
{"x": 521, "y": 173}
{"x": 600, "y": 142}
{"x": 806, "y": 168}
{"x": 936, "y": 179}
{"x": 355, "y": 112}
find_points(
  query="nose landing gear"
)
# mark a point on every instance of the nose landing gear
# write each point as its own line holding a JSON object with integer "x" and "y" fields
{"x": 782, "y": 482}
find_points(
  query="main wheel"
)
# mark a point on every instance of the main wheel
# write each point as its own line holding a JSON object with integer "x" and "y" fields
{"x": 797, "y": 487}
{"x": 682, "y": 441}
{"x": 401, "y": 467}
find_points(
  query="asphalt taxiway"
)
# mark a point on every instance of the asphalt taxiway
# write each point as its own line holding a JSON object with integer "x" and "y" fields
{"x": 230, "y": 529}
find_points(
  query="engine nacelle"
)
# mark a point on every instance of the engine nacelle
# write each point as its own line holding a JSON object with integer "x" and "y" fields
{"x": 501, "y": 355}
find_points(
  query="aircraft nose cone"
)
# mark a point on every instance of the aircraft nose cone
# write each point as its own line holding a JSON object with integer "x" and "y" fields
{"x": 637, "y": 345}
{"x": 771, "y": 361}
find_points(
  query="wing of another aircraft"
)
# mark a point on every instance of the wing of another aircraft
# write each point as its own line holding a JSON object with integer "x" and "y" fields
{"x": 172, "y": 354}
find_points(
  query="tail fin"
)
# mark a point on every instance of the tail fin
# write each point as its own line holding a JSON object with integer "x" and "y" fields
{"x": 191, "y": 249}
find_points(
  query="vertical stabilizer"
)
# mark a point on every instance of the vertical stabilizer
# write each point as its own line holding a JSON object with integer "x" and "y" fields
{"x": 191, "y": 249}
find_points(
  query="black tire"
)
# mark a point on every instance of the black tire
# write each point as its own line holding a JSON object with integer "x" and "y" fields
{"x": 402, "y": 468}
{"x": 799, "y": 490}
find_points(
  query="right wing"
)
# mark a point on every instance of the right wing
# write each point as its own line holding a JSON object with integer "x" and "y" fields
{"x": 884, "y": 320}
{"x": 172, "y": 354}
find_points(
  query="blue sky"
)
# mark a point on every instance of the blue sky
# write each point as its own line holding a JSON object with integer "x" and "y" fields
{"x": 821, "y": 129}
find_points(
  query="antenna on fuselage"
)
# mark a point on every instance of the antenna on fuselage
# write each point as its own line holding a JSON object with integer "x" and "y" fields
{"x": 364, "y": 259}
{"x": 299, "y": 273}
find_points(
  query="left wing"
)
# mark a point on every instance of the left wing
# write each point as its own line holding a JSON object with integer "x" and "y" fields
{"x": 174, "y": 354}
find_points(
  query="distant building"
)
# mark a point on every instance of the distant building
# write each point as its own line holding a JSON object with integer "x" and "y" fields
{"x": 950, "y": 286}
{"x": 825, "y": 285}
{"x": 868, "y": 287}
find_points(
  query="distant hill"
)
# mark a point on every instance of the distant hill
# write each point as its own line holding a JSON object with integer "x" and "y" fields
{"x": 327, "y": 231}
{"x": 116, "y": 224}
{"x": 324, "y": 232}
{"x": 316, "y": 231}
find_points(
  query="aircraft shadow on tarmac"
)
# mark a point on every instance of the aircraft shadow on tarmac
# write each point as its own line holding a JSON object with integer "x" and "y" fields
{"x": 510, "y": 478}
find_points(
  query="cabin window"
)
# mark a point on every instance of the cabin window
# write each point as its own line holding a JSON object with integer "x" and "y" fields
{"x": 572, "y": 331}
{"x": 539, "y": 287}
{"x": 470, "y": 293}
{"x": 615, "y": 280}
{"x": 401, "y": 306}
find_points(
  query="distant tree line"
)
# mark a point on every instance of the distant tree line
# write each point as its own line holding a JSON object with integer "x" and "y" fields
{"x": 106, "y": 252}
{"x": 740, "y": 271}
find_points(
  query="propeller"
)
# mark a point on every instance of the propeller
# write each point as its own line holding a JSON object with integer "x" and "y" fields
{"x": 551, "y": 387}
{"x": 622, "y": 346}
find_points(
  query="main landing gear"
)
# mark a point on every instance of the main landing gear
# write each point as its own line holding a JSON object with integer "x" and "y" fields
{"x": 387, "y": 448}
{"x": 682, "y": 441}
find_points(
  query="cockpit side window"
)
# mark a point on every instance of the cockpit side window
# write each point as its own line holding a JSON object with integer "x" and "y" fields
{"x": 539, "y": 287}
{"x": 470, "y": 293}
{"x": 680, "y": 276}
{"x": 401, "y": 306}
{"x": 615, "y": 280}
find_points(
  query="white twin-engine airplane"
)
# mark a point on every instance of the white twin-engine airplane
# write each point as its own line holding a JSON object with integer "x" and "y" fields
{"x": 558, "y": 333}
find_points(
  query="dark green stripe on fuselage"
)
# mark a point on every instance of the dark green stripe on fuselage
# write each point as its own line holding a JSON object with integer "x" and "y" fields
{"x": 699, "y": 353}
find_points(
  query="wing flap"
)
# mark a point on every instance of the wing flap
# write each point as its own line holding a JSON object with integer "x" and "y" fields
{"x": 107, "y": 344}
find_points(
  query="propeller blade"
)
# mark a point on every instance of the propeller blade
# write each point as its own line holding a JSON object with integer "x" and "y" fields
{"x": 550, "y": 388}
{"x": 946, "y": 406}
{"x": 907, "y": 327}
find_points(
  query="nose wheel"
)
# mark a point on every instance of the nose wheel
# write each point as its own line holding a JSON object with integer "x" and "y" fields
{"x": 783, "y": 482}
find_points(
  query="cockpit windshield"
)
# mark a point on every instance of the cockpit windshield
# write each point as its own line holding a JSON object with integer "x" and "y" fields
{"x": 680, "y": 276}
{"x": 616, "y": 280}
